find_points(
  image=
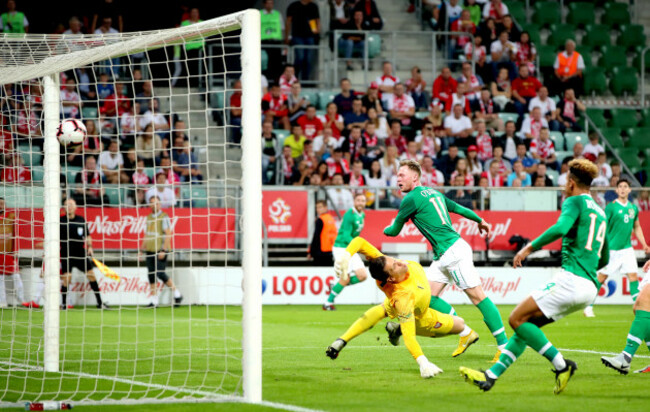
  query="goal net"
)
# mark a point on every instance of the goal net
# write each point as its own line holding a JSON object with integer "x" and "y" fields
{"x": 122, "y": 262}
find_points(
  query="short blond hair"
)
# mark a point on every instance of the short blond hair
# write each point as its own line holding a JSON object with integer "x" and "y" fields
{"x": 412, "y": 165}
{"x": 583, "y": 171}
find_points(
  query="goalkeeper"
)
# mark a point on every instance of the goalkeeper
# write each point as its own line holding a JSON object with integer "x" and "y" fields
{"x": 407, "y": 298}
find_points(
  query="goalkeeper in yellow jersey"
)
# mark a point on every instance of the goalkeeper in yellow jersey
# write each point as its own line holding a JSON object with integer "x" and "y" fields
{"x": 407, "y": 298}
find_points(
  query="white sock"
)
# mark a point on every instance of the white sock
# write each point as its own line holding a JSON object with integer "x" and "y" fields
{"x": 490, "y": 374}
{"x": 502, "y": 347}
{"x": 38, "y": 292}
{"x": 18, "y": 287}
{"x": 3, "y": 295}
{"x": 177, "y": 293}
{"x": 465, "y": 331}
{"x": 154, "y": 299}
{"x": 558, "y": 362}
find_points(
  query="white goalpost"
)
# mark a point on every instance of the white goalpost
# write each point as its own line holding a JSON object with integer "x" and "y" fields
{"x": 177, "y": 323}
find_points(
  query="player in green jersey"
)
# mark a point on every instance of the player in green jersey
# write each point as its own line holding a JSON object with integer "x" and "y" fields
{"x": 453, "y": 257}
{"x": 582, "y": 225}
{"x": 622, "y": 221}
{"x": 639, "y": 331}
{"x": 351, "y": 227}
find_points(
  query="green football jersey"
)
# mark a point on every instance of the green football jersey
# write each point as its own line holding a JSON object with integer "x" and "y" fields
{"x": 429, "y": 211}
{"x": 351, "y": 227}
{"x": 583, "y": 226}
{"x": 620, "y": 224}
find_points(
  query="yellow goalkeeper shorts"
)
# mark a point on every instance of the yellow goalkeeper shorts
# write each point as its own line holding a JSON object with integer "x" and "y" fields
{"x": 433, "y": 323}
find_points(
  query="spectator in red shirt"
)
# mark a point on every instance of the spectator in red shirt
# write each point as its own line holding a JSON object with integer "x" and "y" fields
{"x": 401, "y": 106}
{"x": 465, "y": 25}
{"x": 483, "y": 141}
{"x": 287, "y": 78}
{"x": 444, "y": 86}
{"x": 16, "y": 172}
{"x": 311, "y": 125}
{"x": 543, "y": 150}
{"x": 395, "y": 137}
{"x": 235, "y": 112}
{"x": 332, "y": 119}
{"x": 275, "y": 109}
{"x": 336, "y": 164}
{"x": 524, "y": 89}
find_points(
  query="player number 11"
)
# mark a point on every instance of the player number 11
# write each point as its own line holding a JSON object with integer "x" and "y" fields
{"x": 440, "y": 208}
{"x": 600, "y": 235}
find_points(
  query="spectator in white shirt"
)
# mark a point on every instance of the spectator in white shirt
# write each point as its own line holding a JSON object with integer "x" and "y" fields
{"x": 401, "y": 105}
{"x": 386, "y": 82}
{"x": 593, "y": 146}
{"x": 431, "y": 177}
{"x": 495, "y": 9}
{"x": 159, "y": 121}
{"x": 458, "y": 126}
{"x": 70, "y": 99}
{"x": 531, "y": 127}
{"x": 603, "y": 167}
{"x": 411, "y": 152}
{"x": 110, "y": 164}
{"x": 543, "y": 150}
{"x": 547, "y": 106}
{"x": 503, "y": 55}
{"x": 341, "y": 199}
{"x": 163, "y": 191}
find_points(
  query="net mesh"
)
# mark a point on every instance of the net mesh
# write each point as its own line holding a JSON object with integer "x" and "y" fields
{"x": 156, "y": 107}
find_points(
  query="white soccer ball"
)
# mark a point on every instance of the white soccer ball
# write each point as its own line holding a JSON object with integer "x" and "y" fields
{"x": 71, "y": 132}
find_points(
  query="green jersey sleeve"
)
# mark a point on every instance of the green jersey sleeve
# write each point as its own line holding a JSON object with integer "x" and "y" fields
{"x": 570, "y": 213}
{"x": 604, "y": 255}
{"x": 454, "y": 207}
{"x": 406, "y": 210}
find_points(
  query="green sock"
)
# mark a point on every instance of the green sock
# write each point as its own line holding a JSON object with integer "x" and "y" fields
{"x": 492, "y": 319}
{"x": 639, "y": 331}
{"x": 535, "y": 338}
{"x": 336, "y": 290}
{"x": 354, "y": 280}
{"x": 437, "y": 303}
{"x": 515, "y": 347}
{"x": 634, "y": 289}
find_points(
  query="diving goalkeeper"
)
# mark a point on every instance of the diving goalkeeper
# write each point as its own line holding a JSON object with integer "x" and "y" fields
{"x": 407, "y": 298}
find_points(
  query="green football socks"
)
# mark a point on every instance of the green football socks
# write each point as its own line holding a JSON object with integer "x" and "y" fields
{"x": 639, "y": 332}
{"x": 336, "y": 289}
{"x": 441, "y": 306}
{"x": 492, "y": 319}
{"x": 535, "y": 338}
{"x": 634, "y": 289}
{"x": 515, "y": 347}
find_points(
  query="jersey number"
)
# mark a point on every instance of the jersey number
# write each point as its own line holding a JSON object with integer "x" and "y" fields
{"x": 600, "y": 235}
{"x": 440, "y": 208}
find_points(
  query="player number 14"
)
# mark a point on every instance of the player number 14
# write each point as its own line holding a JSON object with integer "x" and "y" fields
{"x": 600, "y": 235}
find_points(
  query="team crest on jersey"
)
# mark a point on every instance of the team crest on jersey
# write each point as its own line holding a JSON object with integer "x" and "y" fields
{"x": 631, "y": 213}
{"x": 80, "y": 231}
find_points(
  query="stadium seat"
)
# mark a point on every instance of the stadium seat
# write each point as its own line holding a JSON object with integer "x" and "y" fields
{"x": 199, "y": 196}
{"x": 639, "y": 137}
{"x": 217, "y": 98}
{"x": 560, "y": 33}
{"x": 547, "y": 55}
{"x": 312, "y": 96}
{"x": 89, "y": 113}
{"x": 645, "y": 117}
{"x": 37, "y": 173}
{"x": 30, "y": 155}
{"x": 585, "y": 52}
{"x": 508, "y": 117}
{"x": 562, "y": 154}
{"x": 571, "y": 138}
{"x": 597, "y": 116}
{"x": 533, "y": 33}
{"x": 581, "y": 13}
{"x": 623, "y": 118}
{"x": 150, "y": 172}
{"x": 631, "y": 36}
{"x": 597, "y": 36}
{"x": 613, "y": 136}
{"x": 70, "y": 172}
{"x": 636, "y": 63}
{"x": 554, "y": 175}
{"x": 421, "y": 115}
{"x": 595, "y": 81}
{"x": 547, "y": 12}
{"x": 374, "y": 45}
{"x": 325, "y": 97}
{"x": 616, "y": 14}
{"x": 630, "y": 156}
{"x": 517, "y": 9}
{"x": 623, "y": 81}
{"x": 558, "y": 140}
{"x": 613, "y": 56}
{"x": 281, "y": 134}
{"x": 115, "y": 195}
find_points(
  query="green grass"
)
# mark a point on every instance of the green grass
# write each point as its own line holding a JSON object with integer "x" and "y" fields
{"x": 369, "y": 374}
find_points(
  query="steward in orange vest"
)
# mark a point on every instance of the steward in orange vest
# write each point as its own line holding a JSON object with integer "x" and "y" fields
{"x": 324, "y": 236}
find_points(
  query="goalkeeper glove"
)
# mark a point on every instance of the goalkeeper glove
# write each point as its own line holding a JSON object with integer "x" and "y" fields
{"x": 341, "y": 266}
{"x": 427, "y": 369}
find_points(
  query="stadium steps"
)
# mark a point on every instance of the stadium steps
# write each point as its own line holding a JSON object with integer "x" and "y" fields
{"x": 395, "y": 16}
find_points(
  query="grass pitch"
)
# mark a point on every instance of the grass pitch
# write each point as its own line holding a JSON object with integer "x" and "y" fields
{"x": 200, "y": 345}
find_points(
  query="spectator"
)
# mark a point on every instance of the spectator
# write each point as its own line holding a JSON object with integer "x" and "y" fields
{"x": 462, "y": 170}
{"x": 130, "y": 126}
{"x": 496, "y": 10}
{"x": 275, "y": 109}
{"x": 235, "y": 112}
{"x": 541, "y": 176}
{"x": 459, "y": 127}
{"x": 429, "y": 143}
{"x": 447, "y": 163}
{"x": 185, "y": 162}
{"x": 110, "y": 163}
{"x": 341, "y": 199}
{"x": 529, "y": 163}
{"x": 340, "y": 13}
{"x": 310, "y": 123}
{"x": 287, "y": 79}
{"x": 386, "y": 82}
{"x": 322, "y": 241}
{"x": 288, "y": 163}
{"x": 540, "y": 181}
{"x": 477, "y": 53}
{"x": 88, "y": 190}
{"x": 303, "y": 29}
{"x": 519, "y": 173}
{"x": 526, "y": 52}
{"x": 401, "y": 106}
{"x": 485, "y": 109}
{"x": 543, "y": 150}
{"x": 272, "y": 34}
{"x": 14, "y": 21}
{"x": 593, "y": 146}
{"x": 353, "y": 42}
{"x": 87, "y": 83}
{"x": 92, "y": 146}
{"x": 105, "y": 87}
{"x": 395, "y": 137}
{"x": 508, "y": 25}
{"x": 436, "y": 120}
{"x": 296, "y": 102}
{"x": 376, "y": 179}
{"x": 269, "y": 152}
{"x": 28, "y": 123}
{"x": 344, "y": 99}
{"x": 504, "y": 166}
{"x": 16, "y": 171}
{"x": 371, "y": 18}
{"x": 134, "y": 87}
{"x": 444, "y": 86}
{"x": 167, "y": 168}
{"x": 352, "y": 146}
{"x": 603, "y": 167}
{"x": 578, "y": 153}
{"x": 371, "y": 100}
{"x": 333, "y": 120}
{"x": 474, "y": 9}
{"x": 162, "y": 190}
{"x": 547, "y": 106}
{"x": 524, "y": 89}
{"x": 106, "y": 29}
{"x": 488, "y": 32}
{"x": 145, "y": 97}
{"x": 463, "y": 24}
{"x": 532, "y": 125}
{"x": 301, "y": 174}
{"x": 430, "y": 176}
{"x": 473, "y": 83}
{"x": 356, "y": 117}
{"x": 508, "y": 141}
{"x": 459, "y": 98}
{"x": 74, "y": 28}
{"x": 474, "y": 165}
{"x": 70, "y": 100}
{"x": 296, "y": 141}
{"x": 564, "y": 171}
{"x": 373, "y": 146}
{"x": 140, "y": 180}
{"x": 308, "y": 156}
{"x": 568, "y": 69}
{"x": 567, "y": 112}
{"x": 502, "y": 91}
{"x": 503, "y": 55}
{"x": 390, "y": 162}
{"x": 461, "y": 196}
{"x": 415, "y": 87}
{"x": 356, "y": 177}
{"x": 611, "y": 195}
{"x": 493, "y": 176}
{"x": 337, "y": 164}
{"x": 446, "y": 14}
{"x": 193, "y": 52}
{"x": 130, "y": 163}
{"x": 643, "y": 202}
{"x": 158, "y": 120}
{"x": 381, "y": 124}
{"x": 109, "y": 8}
{"x": 483, "y": 142}
{"x": 116, "y": 104}
{"x": 412, "y": 152}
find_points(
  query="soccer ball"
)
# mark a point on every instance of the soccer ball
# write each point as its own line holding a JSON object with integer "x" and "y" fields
{"x": 71, "y": 132}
